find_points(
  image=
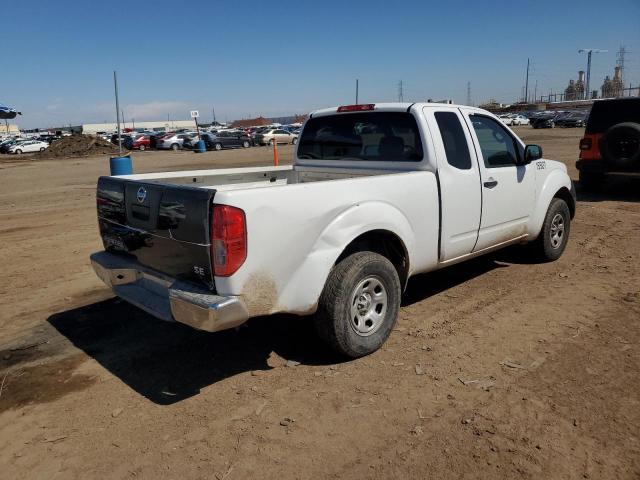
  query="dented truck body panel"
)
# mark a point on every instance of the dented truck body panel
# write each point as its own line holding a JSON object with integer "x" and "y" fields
{"x": 299, "y": 220}
{"x": 305, "y": 238}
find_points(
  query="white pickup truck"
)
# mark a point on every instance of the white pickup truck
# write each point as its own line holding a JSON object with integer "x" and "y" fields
{"x": 377, "y": 193}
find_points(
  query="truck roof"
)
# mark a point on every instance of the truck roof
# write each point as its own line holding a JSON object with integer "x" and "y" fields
{"x": 387, "y": 107}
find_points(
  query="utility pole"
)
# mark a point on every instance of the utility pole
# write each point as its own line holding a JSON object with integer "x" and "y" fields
{"x": 526, "y": 84}
{"x": 589, "y": 51}
{"x": 620, "y": 60}
{"x": 115, "y": 84}
{"x": 356, "y": 91}
{"x": 535, "y": 92}
{"x": 213, "y": 113}
{"x": 469, "y": 94}
{"x": 400, "y": 92}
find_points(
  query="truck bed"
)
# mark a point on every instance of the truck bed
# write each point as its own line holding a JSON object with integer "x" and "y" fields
{"x": 244, "y": 178}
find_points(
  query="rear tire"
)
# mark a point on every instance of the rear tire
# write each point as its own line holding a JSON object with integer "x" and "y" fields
{"x": 218, "y": 147}
{"x": 175, "y": 147}
{"x": 554, "y": 235}
{"x": 42, "y": 149}
{"x": 246, "y": 144}
{"x": 359, "y": 304}
{"x": 142, "y": 148}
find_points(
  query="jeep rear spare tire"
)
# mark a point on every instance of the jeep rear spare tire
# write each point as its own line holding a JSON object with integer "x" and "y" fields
{"x": 620, "y": 145}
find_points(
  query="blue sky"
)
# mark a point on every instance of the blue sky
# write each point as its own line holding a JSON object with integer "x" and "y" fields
{"x": 251, "y": 58}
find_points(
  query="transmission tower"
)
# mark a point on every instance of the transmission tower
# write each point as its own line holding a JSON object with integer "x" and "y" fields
{"x": 469, "y": 94}
{"x": 400, "y": 92}
{"x": 620, "y": 60}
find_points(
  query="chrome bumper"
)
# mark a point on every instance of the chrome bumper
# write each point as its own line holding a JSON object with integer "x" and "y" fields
{"x": 167, "y": 298}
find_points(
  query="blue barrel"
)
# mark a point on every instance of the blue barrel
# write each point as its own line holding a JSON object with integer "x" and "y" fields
{"x": 200, "y": 147}
{"x": 121, "y": 165}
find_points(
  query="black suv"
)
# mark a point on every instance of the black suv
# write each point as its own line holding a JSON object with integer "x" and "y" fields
{"x": 611, "y": 143}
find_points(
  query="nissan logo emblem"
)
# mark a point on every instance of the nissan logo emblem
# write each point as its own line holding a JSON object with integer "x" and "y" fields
{"x": 141, "y": 195}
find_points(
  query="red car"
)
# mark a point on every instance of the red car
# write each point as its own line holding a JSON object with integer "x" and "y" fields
{"x": 141, "y": 142}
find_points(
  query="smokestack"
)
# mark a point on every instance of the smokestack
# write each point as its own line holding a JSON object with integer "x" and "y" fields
{"x": 581, "y": 76}
{"x": 617, "y": 73}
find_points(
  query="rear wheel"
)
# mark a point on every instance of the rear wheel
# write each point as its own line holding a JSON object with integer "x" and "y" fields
{"x": 175, "y": 147}
{"x": 218, "y": 146}
{"x": 142, "y": 148}
{"x": 246, "y": 144}
{"x": 554, "y": 235}
{"x": 359, "y": 304}
{"x": 42, "y": 149}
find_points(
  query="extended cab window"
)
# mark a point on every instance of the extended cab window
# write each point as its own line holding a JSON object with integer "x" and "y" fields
{"x": 371, "y": 136}
{"x": 455, "y": 143}
{"x": 498, "y": 147}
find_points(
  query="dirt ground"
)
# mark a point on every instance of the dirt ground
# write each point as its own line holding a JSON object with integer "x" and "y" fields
{"x": 498, "y": 368}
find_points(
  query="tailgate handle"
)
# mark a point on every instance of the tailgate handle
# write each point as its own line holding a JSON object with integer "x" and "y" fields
{"x": 139, "y": 212}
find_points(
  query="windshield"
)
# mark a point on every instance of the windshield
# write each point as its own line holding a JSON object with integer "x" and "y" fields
{"x": 371, "y": 136}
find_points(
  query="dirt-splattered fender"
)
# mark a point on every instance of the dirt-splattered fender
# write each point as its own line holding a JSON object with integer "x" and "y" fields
{"x": 307, "y": 281}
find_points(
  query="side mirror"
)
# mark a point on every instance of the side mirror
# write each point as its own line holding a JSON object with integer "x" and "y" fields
{"x": 531, "y": 153}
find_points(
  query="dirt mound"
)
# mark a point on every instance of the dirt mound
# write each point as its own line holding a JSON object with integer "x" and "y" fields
{"x": 79, "y": 146}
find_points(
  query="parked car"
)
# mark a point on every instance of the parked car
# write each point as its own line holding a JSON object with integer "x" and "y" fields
{"x": 339, "y": 233}
{"x": 519, "y": 120}
{"x": 28, "y": 146}
{"x": 7, "y": 144}
{"x": 141, "y": 142}
{"x": 269, "y": 136}
{"x": 576, "y": 119}
{"x": 226, "y": 140}
{"x": 506, "y": 118}
{"x": 172, "y": 141}
{"x": 611, "y": 142}
{"x": 543, "y": 121}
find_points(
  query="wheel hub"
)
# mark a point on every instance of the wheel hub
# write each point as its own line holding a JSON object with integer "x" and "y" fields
{"x": 368, "y": 306}
{"x": 556, "y": 232}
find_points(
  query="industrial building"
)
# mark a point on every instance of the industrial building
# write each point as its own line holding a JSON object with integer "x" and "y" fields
{"x": 9, "y": 129}
{"x": 613, "y": 87}
{"x": 167, "y": 125}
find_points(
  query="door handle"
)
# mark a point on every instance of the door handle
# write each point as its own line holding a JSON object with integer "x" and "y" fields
{"x": 490, "y": 183}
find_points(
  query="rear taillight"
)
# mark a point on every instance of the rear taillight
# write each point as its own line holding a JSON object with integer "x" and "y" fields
{"x": 228, "y": 239}
{"x": 585, "y": 144}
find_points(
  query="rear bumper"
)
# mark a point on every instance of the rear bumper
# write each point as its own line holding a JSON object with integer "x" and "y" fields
{"x": 167, "y": 298}
{"x": 600, "y": 167}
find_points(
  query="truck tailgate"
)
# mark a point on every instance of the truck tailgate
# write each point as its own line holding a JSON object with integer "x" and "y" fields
{"x": 163, "y": 227}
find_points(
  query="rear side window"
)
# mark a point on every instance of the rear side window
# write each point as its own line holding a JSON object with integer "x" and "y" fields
{"x": 607, "y": 113}
{"x": 455, "y": 143}
{"x": 370, "y": 136}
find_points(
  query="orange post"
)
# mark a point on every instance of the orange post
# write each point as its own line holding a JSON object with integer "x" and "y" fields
{"x": 275, "y": 152}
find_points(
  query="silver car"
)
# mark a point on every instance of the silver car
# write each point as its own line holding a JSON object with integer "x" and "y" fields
{"x": 173, "y": 142}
